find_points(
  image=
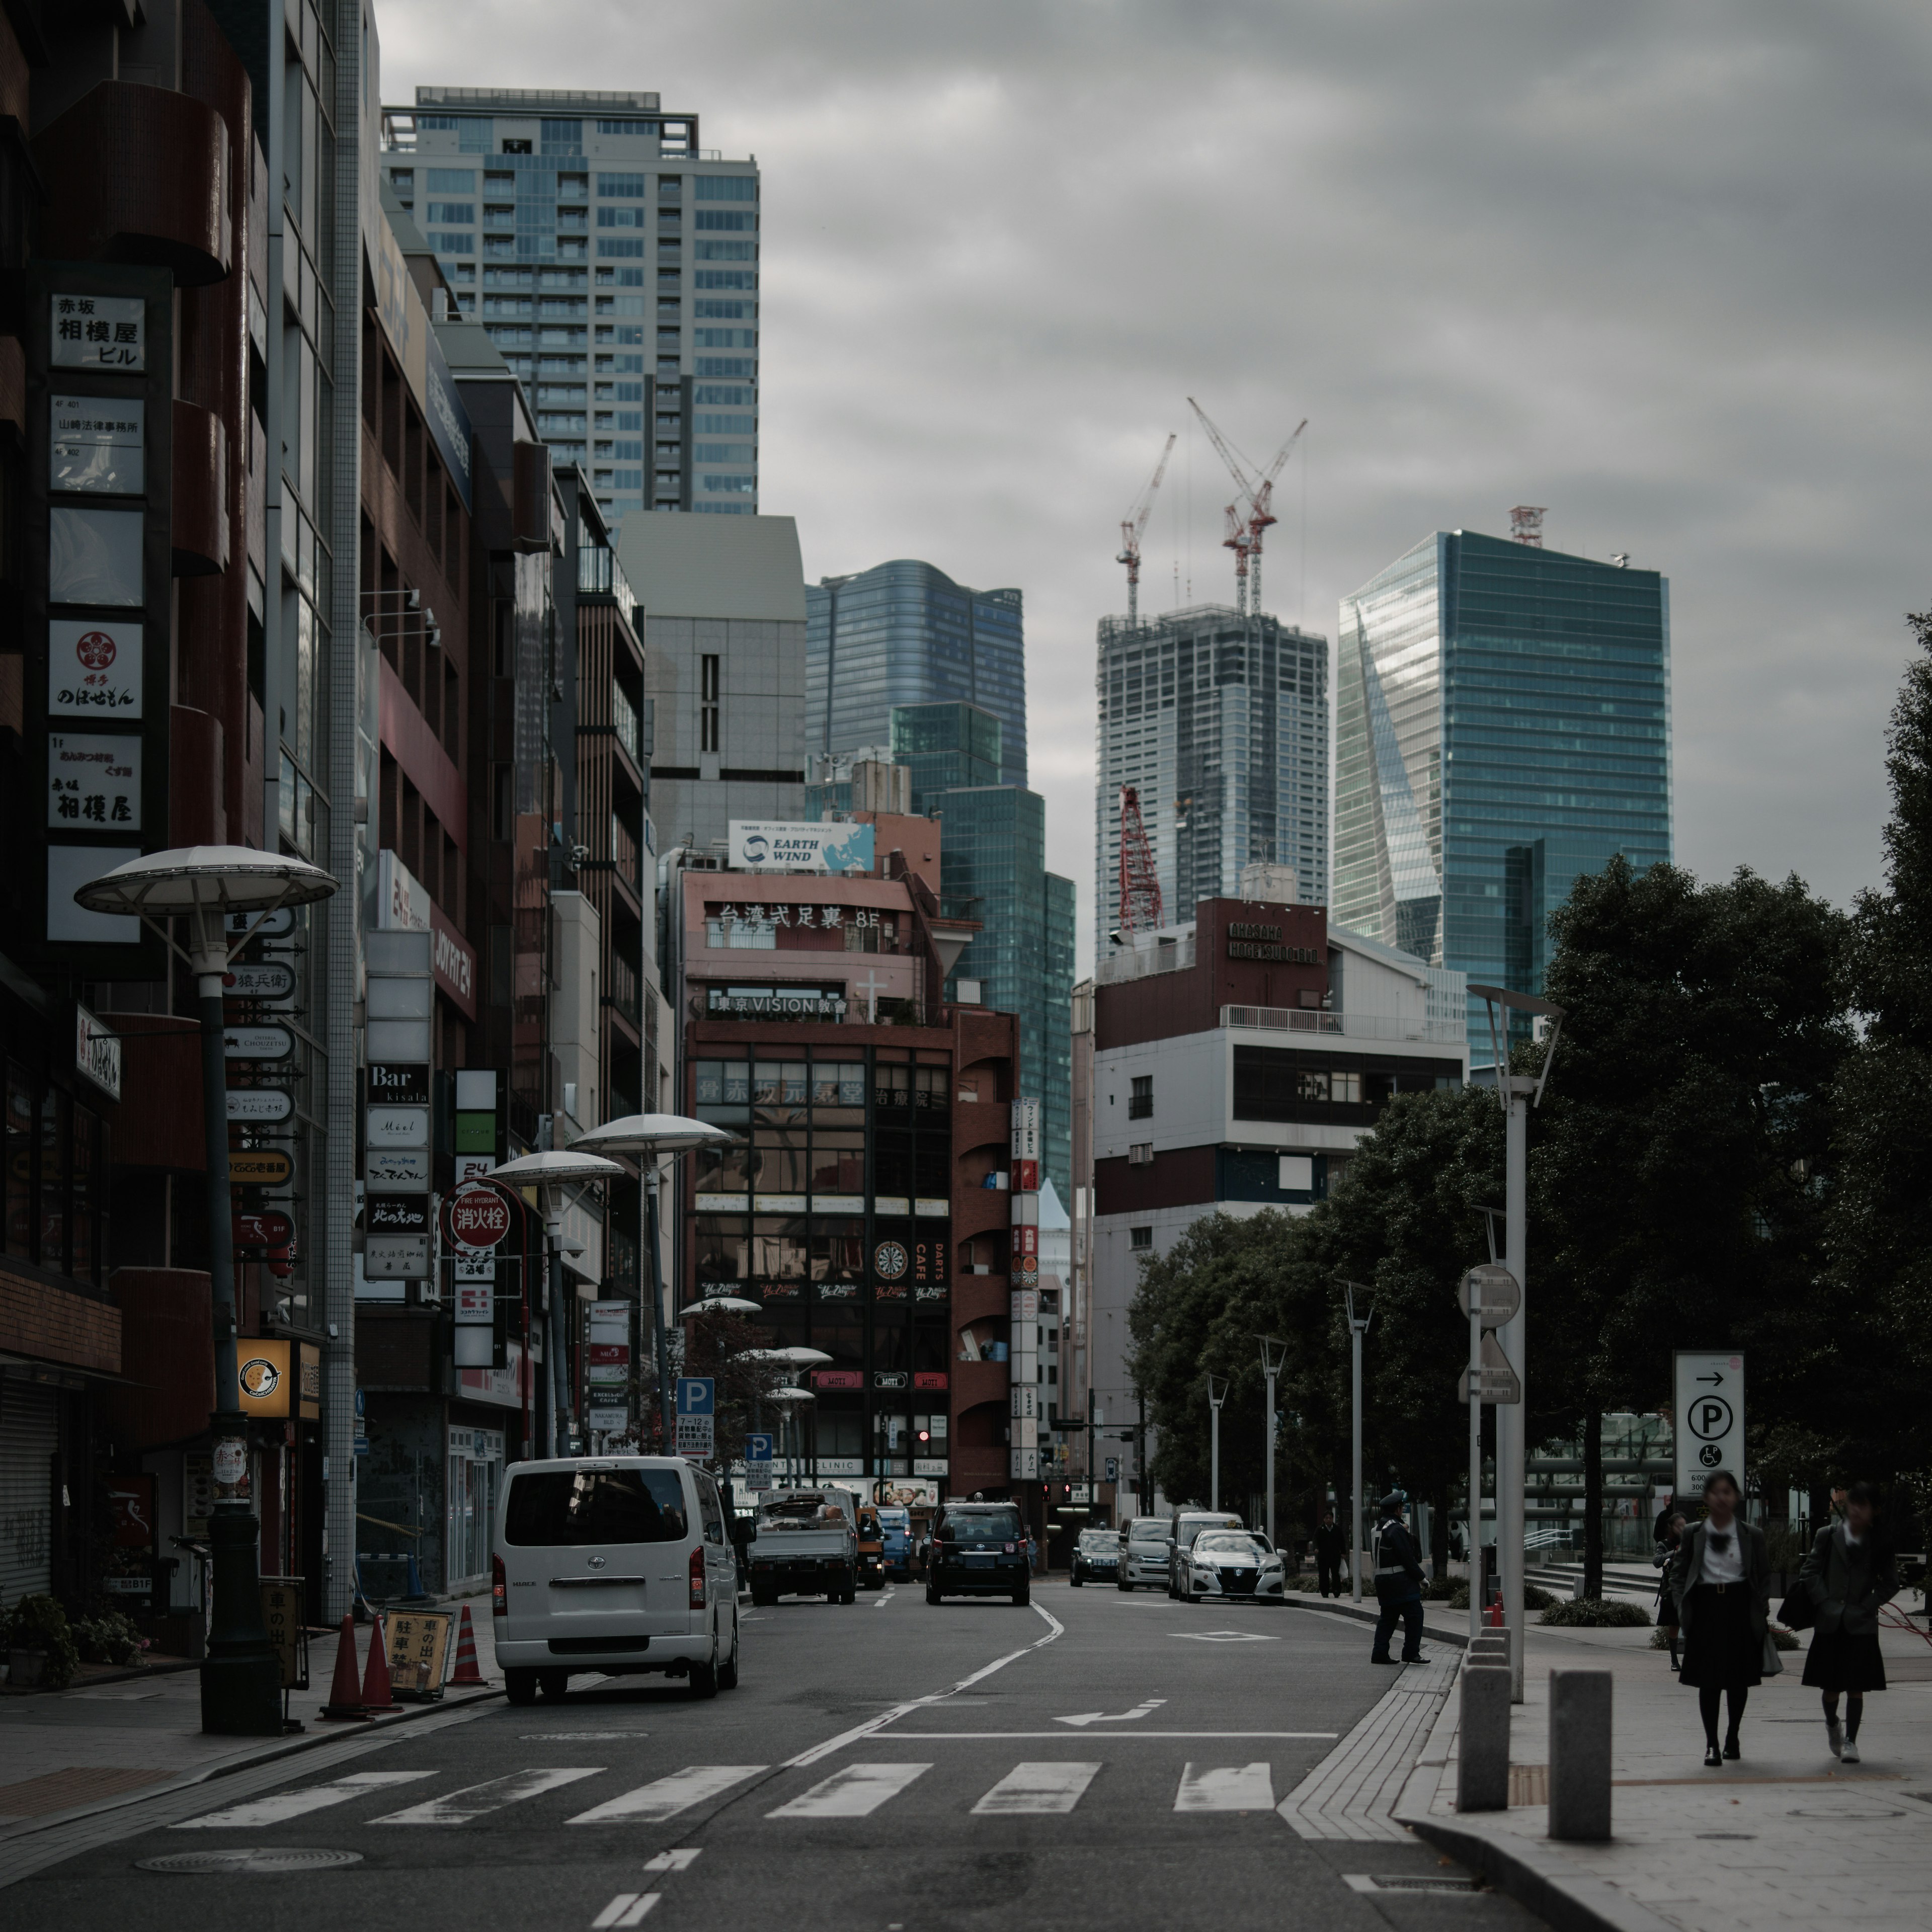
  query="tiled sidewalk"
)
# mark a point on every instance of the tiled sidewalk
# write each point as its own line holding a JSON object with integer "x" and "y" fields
{"x": 67, "y": 1751}
{"x": 1785, "y": 1836}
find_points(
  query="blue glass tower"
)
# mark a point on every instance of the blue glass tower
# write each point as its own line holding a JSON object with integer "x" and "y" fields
{"x": 904, "y": 633}
{"x": 1502, "y": 724}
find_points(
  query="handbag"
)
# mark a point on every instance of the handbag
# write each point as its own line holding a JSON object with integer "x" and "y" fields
{"x": 1772, "y": 1664}
{"x": 1798, "y": 1612}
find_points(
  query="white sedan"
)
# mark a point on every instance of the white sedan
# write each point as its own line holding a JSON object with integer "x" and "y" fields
{"x": 1231, "y": 1563}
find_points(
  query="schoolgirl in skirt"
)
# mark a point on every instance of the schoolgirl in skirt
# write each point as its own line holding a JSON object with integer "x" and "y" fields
{"x": 1849, "y": 1576}
{"x": 1720, "y": 1579}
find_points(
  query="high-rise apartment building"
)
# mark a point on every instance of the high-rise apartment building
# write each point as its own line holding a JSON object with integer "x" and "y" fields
{"x": 1502, "y": 724}
{"x": 615, "y": 266}
{"x": 1219, "y": 721}
{"x": 904, "y": 633}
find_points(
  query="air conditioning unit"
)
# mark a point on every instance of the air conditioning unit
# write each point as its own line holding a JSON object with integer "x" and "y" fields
{"x": 1141, "y": 1154}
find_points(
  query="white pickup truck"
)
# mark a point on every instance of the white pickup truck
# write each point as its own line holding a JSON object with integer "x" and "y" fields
{"x": 805, "y": 1543}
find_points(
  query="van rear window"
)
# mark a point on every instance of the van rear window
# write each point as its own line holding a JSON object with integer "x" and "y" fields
{"x": 555, "y": 1509}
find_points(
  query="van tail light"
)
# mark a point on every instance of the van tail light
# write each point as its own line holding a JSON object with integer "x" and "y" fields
{"x": 499, "y": 1593}
{"x": 697, "y": 1578}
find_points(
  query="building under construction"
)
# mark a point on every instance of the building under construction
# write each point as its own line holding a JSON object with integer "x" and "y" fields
{"x": 1218, "y": 719}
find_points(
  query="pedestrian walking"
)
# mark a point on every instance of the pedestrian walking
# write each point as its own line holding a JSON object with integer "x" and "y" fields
{"x": 1398, "y": 1583}
{"x": 1330, "y": 1546}
{"x": 1720, "y": 1581}
{"x": 1669, "y": 1535}
{"x": 1849, "y": 1576}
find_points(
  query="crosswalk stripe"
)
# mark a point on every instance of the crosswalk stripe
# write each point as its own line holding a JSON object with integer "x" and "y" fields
{"x": 857, "y": 1792}
{"x": 474, "y": 1800}
{"x": 666, "y": 1797}
{"x": 285, "y": 1804}
{"x": 1037, "y": 1788}
{"x": 1227, "y": 1787}
{"x": 628, "y": 1908}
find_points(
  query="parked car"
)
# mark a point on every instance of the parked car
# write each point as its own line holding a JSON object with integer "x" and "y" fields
{"x": 1143, "y": 1553}
{"x": 617, "y": 1563}
{"x": 978, "y": 1549}
{"x": 1224, "y": 1563}
{"x": 1184, "y": 1526}
{"x": 1095, "y": 1559}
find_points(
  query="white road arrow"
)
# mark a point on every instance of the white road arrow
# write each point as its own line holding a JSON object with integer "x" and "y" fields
{"x": 1146, "y": 1710}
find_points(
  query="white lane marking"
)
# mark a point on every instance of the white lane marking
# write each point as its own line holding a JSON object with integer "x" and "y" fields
{"x": 857, "y": 1792}
{"x": 1228, "y": 1787}
{"x": 628, "y": 1908}
{"x": 1057, "y": 1629}
{"x": 666, "y": 1797}
{"x": 949, "y": 1737}
{"x": 1037, "y": 1788}
{"x": 682, "y": 1859}
{"x": 293, "y": 1803}
{"x": 1146, "y": 1710}
{"x": 1222, "y": 1636}
{"x": 474, "y": 1800}
{"x": 885, "y": 1597}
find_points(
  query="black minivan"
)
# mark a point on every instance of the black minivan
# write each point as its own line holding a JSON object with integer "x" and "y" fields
{"x": 978, "y": 1549}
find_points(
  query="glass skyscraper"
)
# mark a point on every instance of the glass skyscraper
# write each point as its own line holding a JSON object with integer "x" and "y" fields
{"x": 615, "y": 265}
{"x": 1220, "y": 722}
{"x": 1502, "y": 724}
{"x": 904, "y": 633}
{"x": 992, "y": 857}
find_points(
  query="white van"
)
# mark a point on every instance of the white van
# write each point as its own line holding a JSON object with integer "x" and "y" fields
{"x": 613, "y": 1563}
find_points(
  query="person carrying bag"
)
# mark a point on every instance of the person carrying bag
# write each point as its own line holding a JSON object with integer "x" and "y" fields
{"x": 1848, "y": 1578}
{"x": 1720, "y": 1580}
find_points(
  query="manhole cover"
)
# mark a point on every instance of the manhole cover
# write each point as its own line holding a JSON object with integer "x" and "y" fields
{"x": 258, "y": 1858}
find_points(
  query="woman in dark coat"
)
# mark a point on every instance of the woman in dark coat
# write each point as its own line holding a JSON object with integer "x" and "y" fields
{"x": 1670, "y": 1536}
{"x": 1849, "y": 1576}
{"x": 1720, "y": 1578}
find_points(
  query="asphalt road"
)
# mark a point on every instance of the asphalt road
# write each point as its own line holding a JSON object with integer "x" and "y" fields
{"x": 886, "y": 1767}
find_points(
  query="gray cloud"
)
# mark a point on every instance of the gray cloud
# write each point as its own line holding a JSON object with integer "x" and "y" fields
{"x": 1662, "y": 269}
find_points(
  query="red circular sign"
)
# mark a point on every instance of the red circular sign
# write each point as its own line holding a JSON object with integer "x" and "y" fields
{"x": 479, "y": 1217}
{"x": 95, "y": 650}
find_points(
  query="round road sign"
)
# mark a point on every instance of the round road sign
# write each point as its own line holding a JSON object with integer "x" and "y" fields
{"x": 1491, "y": 1293}
{"x": 479, "y": 1217}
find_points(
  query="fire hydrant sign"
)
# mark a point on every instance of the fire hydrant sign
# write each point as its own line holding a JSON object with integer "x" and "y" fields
{"x": 1709, "y": 1421}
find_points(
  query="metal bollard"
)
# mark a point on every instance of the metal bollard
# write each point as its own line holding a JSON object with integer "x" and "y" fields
{"x": 1483, "y": 1737}
{"x": 1580, "y": 1753}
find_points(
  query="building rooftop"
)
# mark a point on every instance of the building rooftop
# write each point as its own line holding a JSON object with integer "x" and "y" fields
{"x": 682, "y": 565}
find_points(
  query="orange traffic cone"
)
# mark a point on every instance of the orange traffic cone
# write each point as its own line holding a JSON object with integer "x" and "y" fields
{"x": 345, "y": 1699}
{"x": 1496, "y": 1614}
{"x": 376, "y": 1694}
{"x": 466, "y": 1671}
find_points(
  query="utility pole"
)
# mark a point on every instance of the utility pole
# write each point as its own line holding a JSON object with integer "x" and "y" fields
{"x": 1518, "y": 1093}
{"x": 1358, "y": 1327}
{"x": 1214, "y": 1402}
{"x": 1274, "y": 1352}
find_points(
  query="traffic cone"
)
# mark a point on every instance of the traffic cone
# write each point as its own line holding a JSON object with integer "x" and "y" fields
{"x": 345, "y": 1699}
{"x": 377, "y": 1695}
{"x": 466, "y": 1671}
{"x": 1496, "y": 1614}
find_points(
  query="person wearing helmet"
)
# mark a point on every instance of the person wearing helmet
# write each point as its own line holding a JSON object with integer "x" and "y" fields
{"x": 1399, "y": 1582}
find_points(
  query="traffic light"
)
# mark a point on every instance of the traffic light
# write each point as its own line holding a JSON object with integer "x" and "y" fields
{"x": 922, "y": 1437}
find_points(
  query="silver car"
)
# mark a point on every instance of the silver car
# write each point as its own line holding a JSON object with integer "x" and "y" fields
{"x": 1144, "y": 1552}
{"x": 1234, "y": 1563}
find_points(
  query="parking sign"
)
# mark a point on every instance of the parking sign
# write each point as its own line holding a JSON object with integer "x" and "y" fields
{"x": 1709, "y": 1422}
{"x": 697, "y": 1395}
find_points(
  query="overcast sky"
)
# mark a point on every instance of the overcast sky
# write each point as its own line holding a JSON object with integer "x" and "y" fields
{"x": 1661, "y": 268}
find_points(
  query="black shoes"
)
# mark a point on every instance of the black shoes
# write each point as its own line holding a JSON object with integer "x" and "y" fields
{"x": 1714, "y": 1758}
{"x": 1381, "y": 1660}
{"x": 1731, "y": 1745}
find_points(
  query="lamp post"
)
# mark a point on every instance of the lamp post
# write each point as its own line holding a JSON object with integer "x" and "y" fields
{"x": 1358, "y": 1327}
{"x": 1274, "y": 1352}
{"x": 1518, "y": 1092}
{"x": 1215, "y": 1399}
{"x": 242, "y": 1677}
{"x": 788, "y": 1400}
{"x": 647, "y": 1138}
{"x": 553, "y": 1173}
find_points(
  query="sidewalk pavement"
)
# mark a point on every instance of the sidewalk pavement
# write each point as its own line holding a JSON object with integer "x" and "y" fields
{"x": 1786, "y": 1837}
{"x": 69, "y": 1752}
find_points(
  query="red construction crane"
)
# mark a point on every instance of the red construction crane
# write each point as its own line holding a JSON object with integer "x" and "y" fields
{"x": 1131, "y": 525}
{"x": 1140, "y": 884}
{"x": 1250, "y": 514}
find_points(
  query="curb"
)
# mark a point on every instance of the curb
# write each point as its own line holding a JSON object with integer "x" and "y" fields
{"x": 1460, "y": 1639}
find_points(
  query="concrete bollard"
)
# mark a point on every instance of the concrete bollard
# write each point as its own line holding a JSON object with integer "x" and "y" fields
{"x": 1482, "y": 1737}
{"x": 1491, "y": 1644}
{"x": 1580, "y": 1753}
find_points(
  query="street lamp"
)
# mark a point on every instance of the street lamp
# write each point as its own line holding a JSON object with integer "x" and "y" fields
{"x": 1358, "y": 1327}
{"x": 1518, "y": 1094}
{"x": 552, "y": 1173}
{"x": 1274, "y": 1352}
{"x": 786, "y": 1398}
{"x": 241, "y": 1676}
{"x": 648, "y": 1137}
{"x": 1215, "y": 1399}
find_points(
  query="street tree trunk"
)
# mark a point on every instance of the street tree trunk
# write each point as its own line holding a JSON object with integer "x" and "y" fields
{"x": 1593, "y": 1502}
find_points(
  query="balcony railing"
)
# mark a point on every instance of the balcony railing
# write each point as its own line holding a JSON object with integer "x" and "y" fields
{"x": 598, "y": 570}
{"x": 1352, "y": 1026}
{"x": 624, "y": 719}
{"x": 1141, "y": 962}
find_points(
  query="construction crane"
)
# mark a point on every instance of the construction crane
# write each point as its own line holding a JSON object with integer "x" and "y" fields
{"x": 1140, "y": 884}
{"x": 1251, "y": 514}
{"x": 1261, "y": 513}
{"x": 1131, "y": 525}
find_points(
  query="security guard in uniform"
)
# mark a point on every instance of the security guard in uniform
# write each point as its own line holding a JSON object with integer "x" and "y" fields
{"x": 1398, "y": 1582}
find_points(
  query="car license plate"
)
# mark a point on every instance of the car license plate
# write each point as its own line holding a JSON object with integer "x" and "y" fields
{"x": 979, "y": 1562}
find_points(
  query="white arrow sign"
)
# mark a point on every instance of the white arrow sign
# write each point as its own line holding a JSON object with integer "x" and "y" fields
{"x": 1222, "y": 1636}
{"x": 1147, "y": 1709}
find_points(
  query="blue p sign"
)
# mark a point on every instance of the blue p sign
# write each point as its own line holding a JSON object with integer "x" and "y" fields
{"x": 697, "y": 1395}
{"x": 758, "y": 1447}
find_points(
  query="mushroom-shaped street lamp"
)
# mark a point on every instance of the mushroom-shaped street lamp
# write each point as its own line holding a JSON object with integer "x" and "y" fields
{"x": 553, "y": 1175}
{"x": 214, "y": 888}
{"x": 648, "y": 1138}
{"x": 791, "y": 1402}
